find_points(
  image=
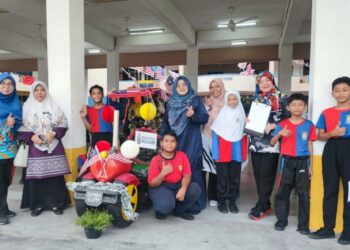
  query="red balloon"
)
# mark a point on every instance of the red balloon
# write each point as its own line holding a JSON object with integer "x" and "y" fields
{"x": 108, "y": 114}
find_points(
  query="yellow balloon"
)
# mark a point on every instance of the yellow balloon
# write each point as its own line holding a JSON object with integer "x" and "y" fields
{"x": 104, "y": 154}
{"x": 148, "y": 111}
{"x": 137, "y": 107}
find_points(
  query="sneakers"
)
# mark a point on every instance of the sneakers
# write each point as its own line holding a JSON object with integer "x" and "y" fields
{"x": 222, "y": 207}
{"x": 4, "y": 220}
{"x": 344, "y": 238}
{"x": 303, "y": 230}
{"x": 213, "y": 203}
{"x": 280, "y": 225}
{"x": 160, "y": 216}
{"x": 322, "y": 233}
{"x": 257, "y": 213}
{"x": 233, "y": 208}
{"x": 185, "y": 216}
{"x": 10, "y": 214}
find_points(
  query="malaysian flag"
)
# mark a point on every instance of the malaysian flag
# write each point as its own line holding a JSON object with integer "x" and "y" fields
{"x": 118, "y": 157}
{"x": 149, "y": 71}
{"x": 92, "y": 159}
{"x": 160, "y": 73}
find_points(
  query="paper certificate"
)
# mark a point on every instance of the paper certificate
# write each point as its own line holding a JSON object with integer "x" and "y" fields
{"x": 258, "y": 116}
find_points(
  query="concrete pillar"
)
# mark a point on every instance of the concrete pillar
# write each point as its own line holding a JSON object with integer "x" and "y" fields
{"x": 273, "y": 67}
{"x": 191, "y": 69}
{"x": 330, "y": 51}
{"x": 285, "y": 68}
{"x": 65, "y": 45}
{"x": 42, "y": 69}
{"x": 113, "y": 67}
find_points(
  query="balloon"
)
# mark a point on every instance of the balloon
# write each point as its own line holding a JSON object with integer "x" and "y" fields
{"x": 148, "y": 111}
{"x": 129, "y": 149}
{"x": 104, "y": 154}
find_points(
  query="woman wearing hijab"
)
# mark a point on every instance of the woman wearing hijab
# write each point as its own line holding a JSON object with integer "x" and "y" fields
{"x": 10, "y": 121}
{"x": 184, "y": 115}
{"x": 44, "y": 125}
{"x": 264, "y": 155}
{"x": 227, "y": 150}
{"x": 214, "y": 103}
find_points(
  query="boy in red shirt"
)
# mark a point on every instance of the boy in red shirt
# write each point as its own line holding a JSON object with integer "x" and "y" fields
{"x": 98, "y": 119}
{"x": 334, "y": 128}
{"x": 169, "y": 179}
{"x": 296, "y": 135}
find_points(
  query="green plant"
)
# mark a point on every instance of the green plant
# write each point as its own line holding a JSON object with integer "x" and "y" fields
{"x": 95, "y": 218}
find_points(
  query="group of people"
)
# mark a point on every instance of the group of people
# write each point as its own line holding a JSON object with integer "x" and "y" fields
{"x": 199, "y": 136}
{"x": 41, "y": 125}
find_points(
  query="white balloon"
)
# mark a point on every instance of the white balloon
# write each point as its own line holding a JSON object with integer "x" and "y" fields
{"x": 129, "y": 149}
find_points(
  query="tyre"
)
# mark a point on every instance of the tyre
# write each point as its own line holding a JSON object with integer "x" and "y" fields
{"x": 80, "y": 207}
{"x": 119, "y": 218}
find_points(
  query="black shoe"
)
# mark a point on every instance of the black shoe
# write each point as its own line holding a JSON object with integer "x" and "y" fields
{"x": 4, "y": 220}
{"x": 160, "y": 216}
{"x": 57, "y": 210}
{"x": 222, "y": 207}
{"x": 233, "y": 208}
{"x": 280, "y": 225}
{"x": 10, "y": 214}
{"x": 194, "y": 212}
{"x": 322, "y": 233}
{"x": 185, "y": 216}
{"x": 258, "y": 213}
{"x": 36, "y": 212}
{"x": 303, "y": 230}
{"x": 344, "y": 238}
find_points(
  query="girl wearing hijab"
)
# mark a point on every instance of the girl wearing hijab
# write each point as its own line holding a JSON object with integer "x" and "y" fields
{"x": 44, "y": 125}
{"x": 10, "y": 121}
{"x": 184, "y": 115}
{"x": 264, "y": 155}
{"x": 227, "y": 150}
{"x": 214, "y": 103}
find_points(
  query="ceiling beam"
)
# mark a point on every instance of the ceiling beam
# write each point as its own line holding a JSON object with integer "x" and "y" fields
{"x": 239, "y": 34}
{"x": 172, "y": 18}
{"x": 17, "y": 43}
{"x": 295, "y": 15}
{"x": 144, "y": 40}
{"x": 35, "y": 11}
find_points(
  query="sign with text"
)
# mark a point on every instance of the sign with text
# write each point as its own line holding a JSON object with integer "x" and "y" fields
{"x": 146, "y": 140}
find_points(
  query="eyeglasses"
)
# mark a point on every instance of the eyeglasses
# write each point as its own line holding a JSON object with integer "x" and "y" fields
{"x": 6, "y": 85}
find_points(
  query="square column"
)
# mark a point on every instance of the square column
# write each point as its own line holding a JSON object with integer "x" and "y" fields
{"x": 113, "y": 68}
{"x": 65, "y": 45}
{"x": 191, "y": 69}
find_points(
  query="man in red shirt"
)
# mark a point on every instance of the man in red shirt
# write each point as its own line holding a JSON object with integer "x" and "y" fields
{"x": 169, "y": 178}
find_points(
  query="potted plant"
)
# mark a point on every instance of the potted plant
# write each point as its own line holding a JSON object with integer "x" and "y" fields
{"x": 94, "y": 221}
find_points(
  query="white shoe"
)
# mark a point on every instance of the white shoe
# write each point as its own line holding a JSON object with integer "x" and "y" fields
{"x": 213, "y": 203}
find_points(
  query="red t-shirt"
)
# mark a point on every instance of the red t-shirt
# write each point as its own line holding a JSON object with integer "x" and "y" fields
{"x": 331, "y": 117}
{"x": 180, "y": 163}
{"x": 297, "y": 144}
{"x": 101, "y": 119}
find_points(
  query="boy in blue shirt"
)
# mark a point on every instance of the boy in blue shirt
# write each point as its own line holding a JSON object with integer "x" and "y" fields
{"x": 296, "y": 135}
{"x": 334, "y": 128}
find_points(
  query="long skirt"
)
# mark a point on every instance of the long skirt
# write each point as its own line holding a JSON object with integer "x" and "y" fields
{"x": 45, "y": 193}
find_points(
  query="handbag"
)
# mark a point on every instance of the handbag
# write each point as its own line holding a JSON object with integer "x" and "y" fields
{"x": 21, "y": 158}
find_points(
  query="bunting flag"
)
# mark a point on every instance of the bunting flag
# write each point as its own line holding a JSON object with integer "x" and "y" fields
{"x": 242, "y": 65}
{"x": 248, "y": 70}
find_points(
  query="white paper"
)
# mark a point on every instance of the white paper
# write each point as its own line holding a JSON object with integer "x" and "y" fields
{"x": 146, "y": 140}
{"x": 258, "y": 116}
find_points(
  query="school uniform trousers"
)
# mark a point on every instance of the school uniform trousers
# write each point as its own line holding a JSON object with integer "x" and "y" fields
{"x": 228, "y": 180}
{"x": 335, "y": 167}
{"x": 294, "y": 173}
